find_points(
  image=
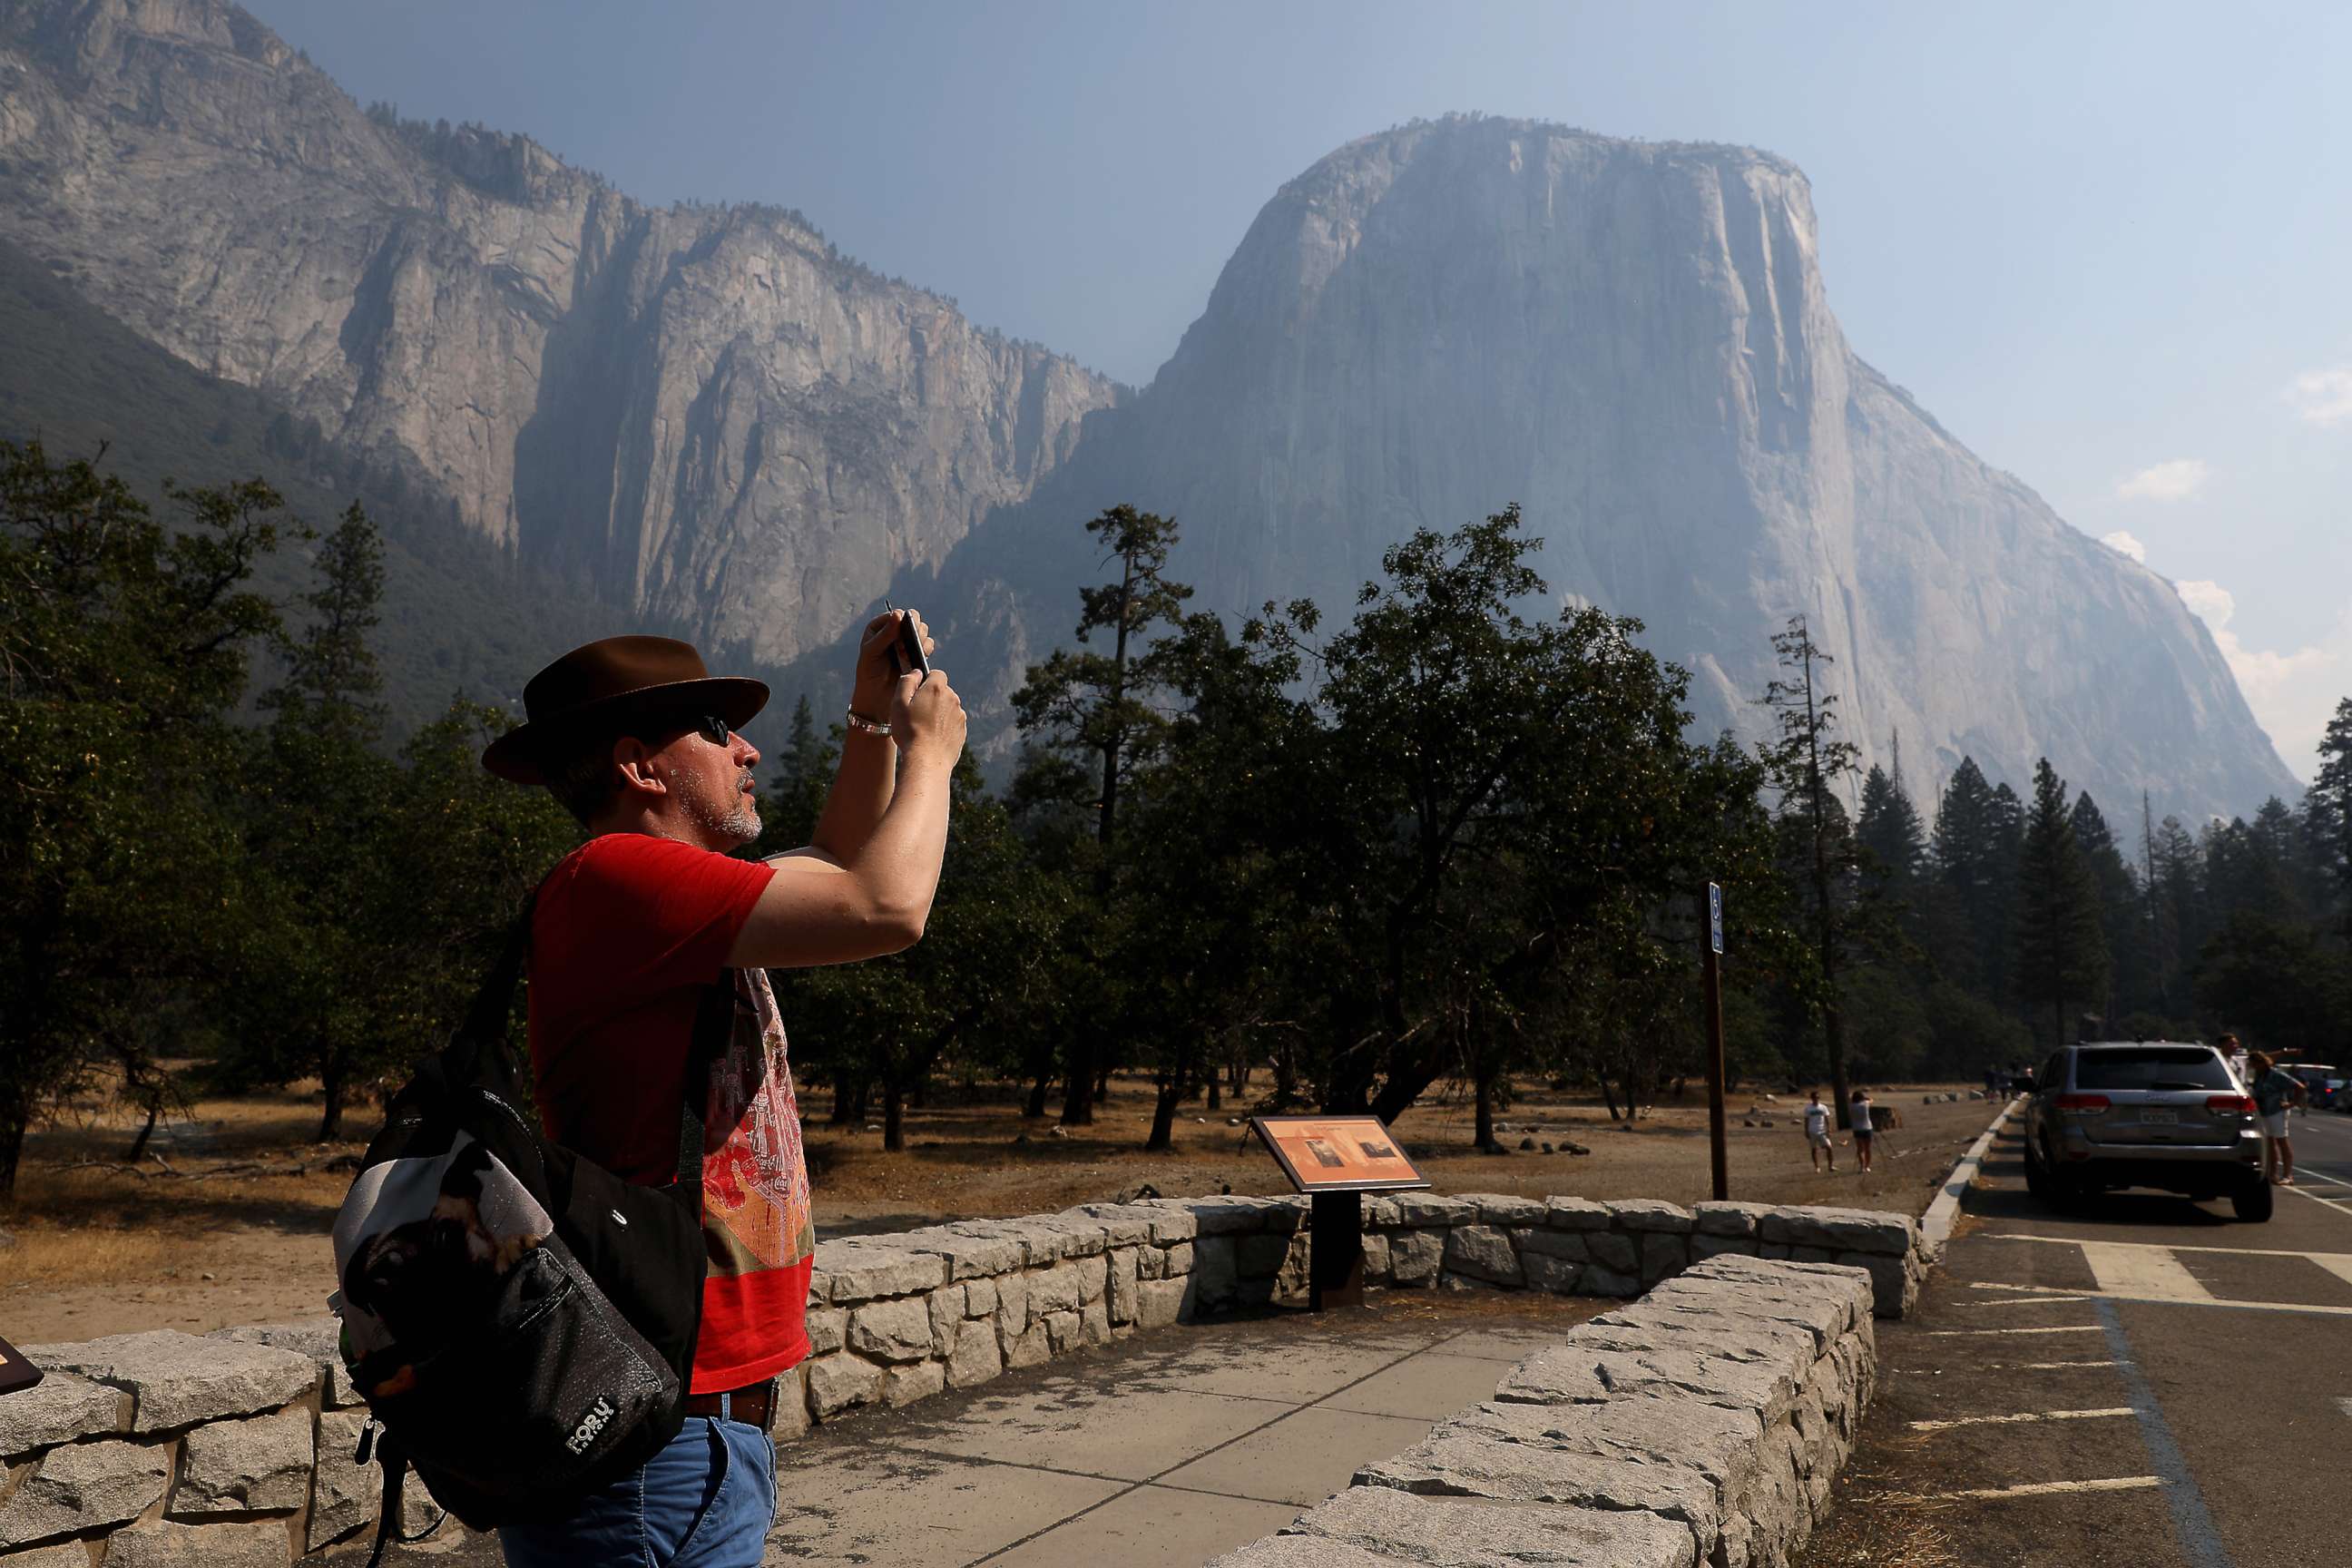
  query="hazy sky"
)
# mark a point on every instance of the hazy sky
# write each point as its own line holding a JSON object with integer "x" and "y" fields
{"x": 2107, "y": 246}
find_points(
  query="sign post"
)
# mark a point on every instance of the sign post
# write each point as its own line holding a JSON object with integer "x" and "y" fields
{"x": 1336, "y": 1160}
{"x": 1712, "y": 1003}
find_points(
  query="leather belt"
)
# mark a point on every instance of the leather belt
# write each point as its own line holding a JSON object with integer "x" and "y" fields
{"x": 754, "y": 1404}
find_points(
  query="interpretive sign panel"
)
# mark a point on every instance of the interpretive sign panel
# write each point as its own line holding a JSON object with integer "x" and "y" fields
{"x": 1337, "y": 1154}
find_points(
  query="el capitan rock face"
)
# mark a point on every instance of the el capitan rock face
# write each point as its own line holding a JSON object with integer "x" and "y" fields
{"x": 711, "y": 417}
{"x": 1632, "y": 341}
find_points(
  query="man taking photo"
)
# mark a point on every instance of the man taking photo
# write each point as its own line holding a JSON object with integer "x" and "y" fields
{"x": 643, "y": 747}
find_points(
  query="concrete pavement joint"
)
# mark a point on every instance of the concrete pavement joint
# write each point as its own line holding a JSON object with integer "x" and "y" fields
{"x": 2191, "y": 1522}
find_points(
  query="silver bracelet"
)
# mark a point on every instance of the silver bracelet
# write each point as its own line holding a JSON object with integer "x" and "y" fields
{"x": 861, "y": 724}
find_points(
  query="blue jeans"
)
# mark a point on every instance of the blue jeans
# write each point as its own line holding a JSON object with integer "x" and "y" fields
{"x": 705, "y": 1501}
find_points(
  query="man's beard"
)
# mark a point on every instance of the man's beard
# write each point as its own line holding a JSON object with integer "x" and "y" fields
{"x": 736, "y": 820}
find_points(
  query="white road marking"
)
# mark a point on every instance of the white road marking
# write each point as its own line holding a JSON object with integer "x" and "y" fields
{"x": 2147, "y": 1273}
{"x": 1970, "y": 1333}
{"x": 2319, "y": 1258}
{"x": 2305, "y": 1193}
{"x": 2034, "y": 1294}
{"x": 2059, "y": 1365}
{"x": 2345, "y": 1405}
{"x": 2019, "y": 1417}
{"x": 2046, "y": 1488}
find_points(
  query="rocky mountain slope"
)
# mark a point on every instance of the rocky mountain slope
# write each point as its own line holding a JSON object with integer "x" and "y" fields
{"x": 707, "y": 415}
{"x": 1632, "y": 340}
{"x": 711, "y": 419}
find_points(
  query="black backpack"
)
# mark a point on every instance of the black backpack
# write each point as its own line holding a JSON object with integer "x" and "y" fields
{"x": 521, "y": 1321}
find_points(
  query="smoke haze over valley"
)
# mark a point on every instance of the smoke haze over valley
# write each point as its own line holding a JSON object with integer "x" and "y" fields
{"x": 710, "y": 420}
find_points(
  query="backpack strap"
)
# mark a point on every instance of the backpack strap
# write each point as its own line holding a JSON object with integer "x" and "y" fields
{"x": 484, "y": 1027}
{"x": 714, "y": 1024}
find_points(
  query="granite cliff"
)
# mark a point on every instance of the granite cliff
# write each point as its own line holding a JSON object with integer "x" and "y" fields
{"x": 707, "y": 416}
{"x": 714, "y": 422}
{"x": 1632, "y": 341}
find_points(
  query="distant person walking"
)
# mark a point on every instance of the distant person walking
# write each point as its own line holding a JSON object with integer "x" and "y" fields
{"x": 2274, "y": 1090}
{"x": 1858, "y": 1112}
{"x": 1817, "y": 1132}
{"x": 1993, "y": 1083}
{"x": 2237, "y": 1054}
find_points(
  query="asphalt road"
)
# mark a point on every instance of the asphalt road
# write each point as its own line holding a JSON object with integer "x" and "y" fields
{"x": 2145, "y": 1383}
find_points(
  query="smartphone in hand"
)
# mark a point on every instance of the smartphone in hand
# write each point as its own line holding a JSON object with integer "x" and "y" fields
{"x": 909, "y": 655}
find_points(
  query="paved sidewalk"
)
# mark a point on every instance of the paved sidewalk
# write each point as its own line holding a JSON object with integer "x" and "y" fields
{"x": 1161, "y": 1451}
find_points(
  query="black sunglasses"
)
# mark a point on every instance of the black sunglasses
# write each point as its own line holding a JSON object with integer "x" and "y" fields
{"x": 712, "y": 727}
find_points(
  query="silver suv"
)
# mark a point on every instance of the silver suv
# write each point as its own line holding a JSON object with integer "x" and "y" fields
{"x": 2156, "y": 1114}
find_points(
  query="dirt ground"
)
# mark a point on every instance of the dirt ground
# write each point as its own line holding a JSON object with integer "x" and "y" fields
{"x": 227, "y": 1222}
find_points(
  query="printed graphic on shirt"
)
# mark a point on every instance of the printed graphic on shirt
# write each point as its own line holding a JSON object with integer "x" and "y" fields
{"x": 755, "y": 1187}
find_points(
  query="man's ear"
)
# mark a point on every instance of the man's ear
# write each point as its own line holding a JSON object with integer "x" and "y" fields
{"x": 636, "y": 760}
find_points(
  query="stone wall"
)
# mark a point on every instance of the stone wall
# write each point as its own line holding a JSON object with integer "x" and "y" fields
{"x": 1702, "y": 1425}
{"x": 161, "y": 1449}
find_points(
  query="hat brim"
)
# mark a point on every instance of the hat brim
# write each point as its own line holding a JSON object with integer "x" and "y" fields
{"x": 521, "y": 754}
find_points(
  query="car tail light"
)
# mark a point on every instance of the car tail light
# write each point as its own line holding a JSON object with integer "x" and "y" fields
{"x": 2083, "y": 1104}
{"x": 2230, "y": 1104}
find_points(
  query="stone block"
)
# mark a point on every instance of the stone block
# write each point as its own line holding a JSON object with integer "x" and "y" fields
{"x": 1381, "y": 1525}
{"x": 827, "y": 1327}
{"x": 1033, "y": 1348}
{"x": 1483, "y": 1252}
{"x": 1496, "y": 1209}
{"x": 947, "y": 1312}
{"x": 58, "y": 1409}
{"x": 1379, "y": 1211}
{"x": 1215, "y": 1275}
{"x": 1893, "y": 1281}
{"x": 1651, "y": 1213}
{"x": 1122, "y": 1284}
{"x": 792, "y": 1406}
{"x": 84, "y": 1487}
{"x": 176, "y": 1380}
{"x": 1576, "y": 1213}
{"x": 1035, "y": 1246}
{"x": 1618, "y": 1254}
{"x": 1123, "y": 1224}
{"x": 980, "y": 1298}
{"x": 1056, "y": 1290}
{"x": 1419, "y": 1211}
{"x": 969, "y": 1257}
{"x": 1704, "y": 1246}
{"x": 1415, "y": 1256}
{"x": 1077, "y": 1236}
{"x": 1094, "y": 1277}
{"x": 258, "y": 1465}
{"x": 1013, "y": 1306}
{"x": 898, "y": 1330}
{"x": 1841, "y": 1229}
{"x": 1812, "y": 1254}
{"x": 1179, "y": 1261}
{"x": 1065, "y": 1330}
{"x": 343, "y": 1492}
{"x": 1568, "y": 1245}
{"x": 1596, "y": 1280}
{"x": 905, "y": 1385}
{"x": 1094, "y": 1324}
{"x": 1229, "y": 1215}
{"x": 163, "y": 1544}
{"x": 975, "y": 1358}
{"x": 1150, "y": 1263}
{"x": 1158, "y": 1302}
{"x": 1456, "y": 1461}
{"x": 1559, "y": 1275}
{"x": 857, "y": 1269}
{"x": 840, "y": 1382}
{"x": 1376, "y": 1260}
{"x": 1663, "y": 1255}
{"x": 1729, "y": 1218}
{"x": 1261, "y": 1257}
{"x": 64, "y": 1554}
{"x": 319, "y": 1338}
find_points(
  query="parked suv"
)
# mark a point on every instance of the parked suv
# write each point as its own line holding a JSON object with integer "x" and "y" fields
{"x": 2153, "y": 1114}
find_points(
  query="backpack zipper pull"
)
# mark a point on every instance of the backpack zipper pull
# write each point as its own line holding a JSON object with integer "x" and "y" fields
{"x": 367, "y": 1441}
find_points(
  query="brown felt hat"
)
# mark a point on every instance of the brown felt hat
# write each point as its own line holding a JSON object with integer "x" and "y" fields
{"x": 609, "y": 685}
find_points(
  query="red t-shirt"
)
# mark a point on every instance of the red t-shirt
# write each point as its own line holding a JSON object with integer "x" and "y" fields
{"x": 628, "y": 931}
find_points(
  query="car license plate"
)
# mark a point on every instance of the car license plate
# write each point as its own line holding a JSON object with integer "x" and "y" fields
{"x": 2159, "y": 1118}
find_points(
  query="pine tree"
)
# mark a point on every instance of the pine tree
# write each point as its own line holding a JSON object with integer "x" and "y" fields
{"x": 2062, "y": 951}
{"x": 1964, "y": 856}
{"x": 2331, "y": 795}
{"x": 2121, "y": 918}
{"x": 1891, "y": 831}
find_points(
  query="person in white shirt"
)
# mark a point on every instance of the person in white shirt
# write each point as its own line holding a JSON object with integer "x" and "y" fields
{"x": 1858, "y": 1112}
{"x": 1816, "y": 1131}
